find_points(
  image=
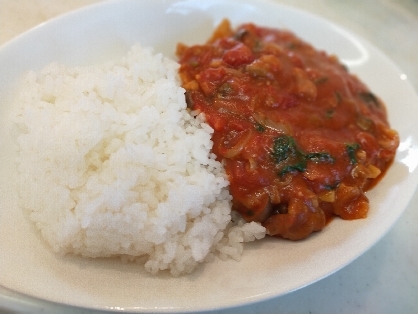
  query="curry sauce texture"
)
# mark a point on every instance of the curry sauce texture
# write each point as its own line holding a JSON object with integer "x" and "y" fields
{"x": 300, "y": 137}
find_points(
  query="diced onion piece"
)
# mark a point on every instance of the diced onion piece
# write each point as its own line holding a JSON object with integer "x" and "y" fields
{"x": 304, "y": 85}
{"x": 327, "y": 196}
{"x": 265, "y": 66}
{"x": 275, "y": 195}
{"x": 346, "y": 193}
{"x": 237, "y": 149}
{"x": 191, "y": 85}
{"x": 374, "y": 172}
{"x": 361, "y": 155}
{"x": 271, "y": 124}
{"x": 223, "y": 30}
{"x": 369, "y": 172}
{"x": 391, "y": 139}
{"x": 364, "y": 123}
{"x": 252, "y": 164}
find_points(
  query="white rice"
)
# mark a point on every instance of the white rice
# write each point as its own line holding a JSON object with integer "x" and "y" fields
{"x": 111, "y": 164}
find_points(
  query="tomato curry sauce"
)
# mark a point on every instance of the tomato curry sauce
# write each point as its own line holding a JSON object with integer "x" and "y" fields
{"x": 301, "y": 138}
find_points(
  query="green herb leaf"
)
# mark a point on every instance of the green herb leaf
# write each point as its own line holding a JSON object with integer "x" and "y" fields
{"x": 320, "y": 157}
{"x": 259, "y": 127}
{"x": 351, "y": 151}
{"x": 286, "y": 150}
{"x": 364, "y": 123}
{"x": 301, "y": 167}
{"x": 283, "y": 147}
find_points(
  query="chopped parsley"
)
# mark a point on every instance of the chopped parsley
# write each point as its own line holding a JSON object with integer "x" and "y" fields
{"x": 284, "y": 147}
{"x": 300, "y": 167}
{"x": 351, "y": 151}
{"x": 259, "y": 127}
{"x": 286, "y": 150}
{"x": 320, "y": 157}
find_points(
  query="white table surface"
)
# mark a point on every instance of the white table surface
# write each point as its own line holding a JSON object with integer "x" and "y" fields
{"x": 385, "y": 278}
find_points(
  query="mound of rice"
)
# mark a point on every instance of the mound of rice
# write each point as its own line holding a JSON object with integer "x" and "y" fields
{"x": 112, "y": 164}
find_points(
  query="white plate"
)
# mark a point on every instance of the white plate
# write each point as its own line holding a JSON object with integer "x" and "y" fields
{"x": 268, "y": 268}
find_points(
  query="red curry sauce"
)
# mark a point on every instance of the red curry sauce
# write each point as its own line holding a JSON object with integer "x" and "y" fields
{"x": 300, "y": 137}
